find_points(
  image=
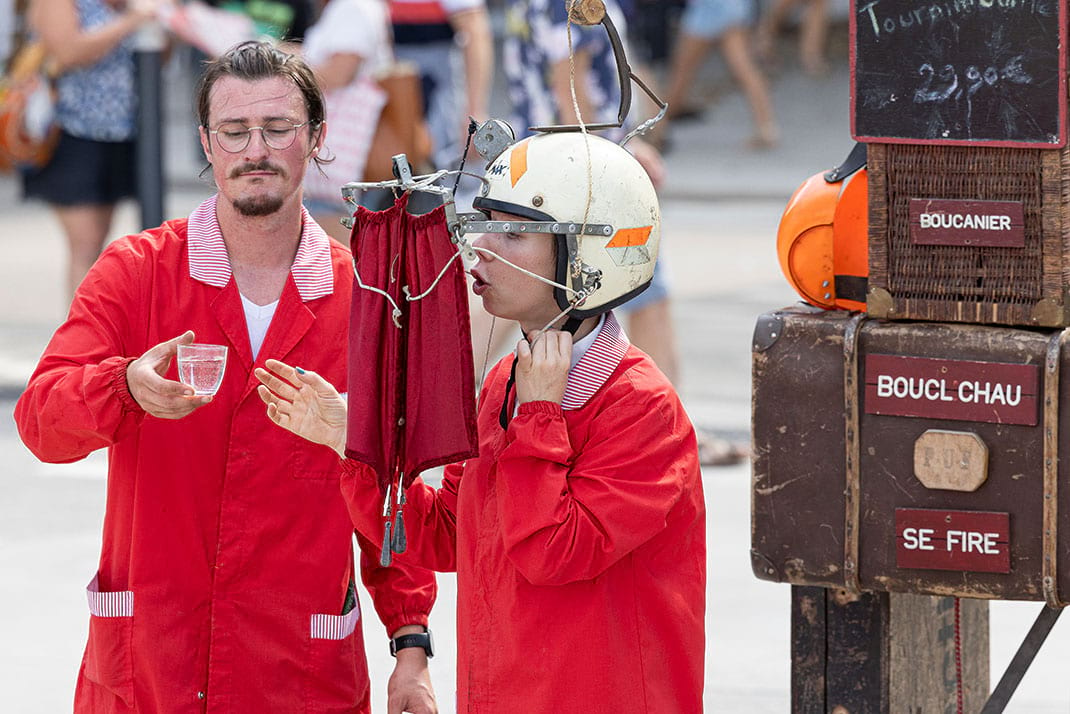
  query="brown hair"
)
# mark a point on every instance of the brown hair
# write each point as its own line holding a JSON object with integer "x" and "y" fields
{"x": 254, "y": 60}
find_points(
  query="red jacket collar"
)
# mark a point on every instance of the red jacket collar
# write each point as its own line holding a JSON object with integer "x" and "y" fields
{"x": 597, "y": 364}
{"x": 208, "y": 261}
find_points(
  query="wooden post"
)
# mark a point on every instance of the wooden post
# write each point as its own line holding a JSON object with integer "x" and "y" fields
{"x": 877, "y": 653}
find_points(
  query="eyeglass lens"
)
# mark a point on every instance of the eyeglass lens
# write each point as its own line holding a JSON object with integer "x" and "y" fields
{"x": 235, "y": 136}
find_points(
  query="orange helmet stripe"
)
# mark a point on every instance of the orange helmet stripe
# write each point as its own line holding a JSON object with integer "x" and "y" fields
{"x": 628, "y": 237}
{"x": 518, "y": 162}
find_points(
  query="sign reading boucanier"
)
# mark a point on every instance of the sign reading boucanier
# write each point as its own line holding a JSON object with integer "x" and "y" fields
{"x": 936, "y": 221}
{"x": 992, "y": 392}
{"x": 977, "y": 541}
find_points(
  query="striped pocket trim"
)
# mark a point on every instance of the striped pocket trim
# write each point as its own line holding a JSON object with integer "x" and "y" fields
{"x": 109, "y": 604}
{"x": 335, "y": 627}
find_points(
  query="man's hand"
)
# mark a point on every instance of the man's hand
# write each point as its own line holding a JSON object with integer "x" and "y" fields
{"x": 161, "y": 397}
{"x": 304, "y": 403}
{"x": 409, "y": 688}
{"x": 542, "y": 367}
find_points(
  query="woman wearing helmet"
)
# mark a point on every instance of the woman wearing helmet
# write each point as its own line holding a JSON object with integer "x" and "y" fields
{"x": 578, "y": 533}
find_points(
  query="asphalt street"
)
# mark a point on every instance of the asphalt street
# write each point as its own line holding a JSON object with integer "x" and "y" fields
{"x": 721, "y": 207}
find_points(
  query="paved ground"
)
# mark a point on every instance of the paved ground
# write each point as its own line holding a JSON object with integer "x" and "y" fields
{"x": 721, "y": 208}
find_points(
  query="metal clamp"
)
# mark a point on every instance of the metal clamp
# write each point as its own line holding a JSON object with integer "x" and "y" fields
{"x": 477, "y": 223}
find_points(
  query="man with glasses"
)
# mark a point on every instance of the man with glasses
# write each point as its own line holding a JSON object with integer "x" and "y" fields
{"x": 226, "y": 578}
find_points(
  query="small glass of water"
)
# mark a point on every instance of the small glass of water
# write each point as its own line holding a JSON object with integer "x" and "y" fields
{"x": 202, "y": 367}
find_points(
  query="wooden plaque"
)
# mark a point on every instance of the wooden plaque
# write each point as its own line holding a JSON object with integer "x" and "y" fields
{"x": 991, "y": 392}
{"x": 976, "y": 541}
{"x": 950, "y": 460}
{"x": 982, "y": 224}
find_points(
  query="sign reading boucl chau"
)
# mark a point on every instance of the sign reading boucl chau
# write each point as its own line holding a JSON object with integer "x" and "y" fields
{"x": 992, "y": 392}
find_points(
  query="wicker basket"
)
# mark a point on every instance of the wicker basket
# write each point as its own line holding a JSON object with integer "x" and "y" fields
{"x": 1006, "y": 285}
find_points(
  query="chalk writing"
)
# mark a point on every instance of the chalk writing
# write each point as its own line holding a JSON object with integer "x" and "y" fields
{"x": 959, "y": 71}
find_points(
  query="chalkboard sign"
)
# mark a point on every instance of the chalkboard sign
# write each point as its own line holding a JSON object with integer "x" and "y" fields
{"x": 959, "y": 72}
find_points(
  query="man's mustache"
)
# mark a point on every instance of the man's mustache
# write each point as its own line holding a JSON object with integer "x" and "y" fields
{"x": 257, "y": 166}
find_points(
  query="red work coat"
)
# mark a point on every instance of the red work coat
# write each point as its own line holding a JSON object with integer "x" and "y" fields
{"x": 227, "y": 551}
{"x": 578, "y": 537}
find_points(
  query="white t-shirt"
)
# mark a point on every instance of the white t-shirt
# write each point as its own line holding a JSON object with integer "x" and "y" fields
{"x": 258, "y": 319}
{"x": 351, "y": 27}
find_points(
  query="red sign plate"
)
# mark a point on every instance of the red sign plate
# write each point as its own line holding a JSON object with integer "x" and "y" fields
{"x": 992, "y": 392}
{"x": 939, "y": 221}
{"x": 975, "y": 541}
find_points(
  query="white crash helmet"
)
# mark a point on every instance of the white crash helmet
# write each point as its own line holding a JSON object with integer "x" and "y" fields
{"x": 545, "y": 178}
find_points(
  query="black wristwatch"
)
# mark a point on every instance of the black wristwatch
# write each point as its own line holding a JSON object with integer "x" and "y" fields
{"x": 417, "y": 639}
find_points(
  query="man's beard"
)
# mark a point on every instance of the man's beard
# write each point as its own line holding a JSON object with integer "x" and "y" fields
{"x": 257, "y": 205}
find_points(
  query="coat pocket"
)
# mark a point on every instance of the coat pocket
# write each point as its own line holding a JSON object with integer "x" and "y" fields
{"x": 108, "y": 661}
{"x": 337, "y": 671}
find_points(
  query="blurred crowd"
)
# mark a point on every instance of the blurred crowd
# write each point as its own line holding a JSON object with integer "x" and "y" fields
{"x": 555, "y": 72}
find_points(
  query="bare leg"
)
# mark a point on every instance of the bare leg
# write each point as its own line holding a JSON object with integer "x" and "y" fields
{"x": 769, "y": 29}
{"x": 691, "y": 52}
{"x": 812, "y": 34}
{"x": 86, "y": 228}
{"x": 650, "y": 328}
{"x": 738, "y": 58}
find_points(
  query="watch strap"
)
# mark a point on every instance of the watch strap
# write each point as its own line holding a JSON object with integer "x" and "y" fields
{"x": 416, "y": 639}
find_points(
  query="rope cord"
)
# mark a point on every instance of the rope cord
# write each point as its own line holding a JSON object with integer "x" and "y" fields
{"x": 579, "y": 116}
{"x": 959, "y": 694}
{"x": 486, "y": 354}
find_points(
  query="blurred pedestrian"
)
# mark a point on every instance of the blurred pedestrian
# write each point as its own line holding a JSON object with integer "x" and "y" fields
{"x": 347, "y": 48}
{"x": 541, "y": 75}
{"x": 437, "y": 36}
{"x": 573, "y": 549}
{"x": 704, "y": 25}
{"x": 90, "y": 47}
{"x": 226, "y": 579}
{"x": 813, "y": 33}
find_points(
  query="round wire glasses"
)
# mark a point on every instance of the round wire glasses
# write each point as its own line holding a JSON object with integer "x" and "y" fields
{"x": 278, "y": 134}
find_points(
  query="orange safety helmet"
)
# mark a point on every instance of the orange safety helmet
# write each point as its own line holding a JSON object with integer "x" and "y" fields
{"x": 823, "y": 241}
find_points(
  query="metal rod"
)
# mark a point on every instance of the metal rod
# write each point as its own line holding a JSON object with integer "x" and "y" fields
{"x": 1019, "y": 665}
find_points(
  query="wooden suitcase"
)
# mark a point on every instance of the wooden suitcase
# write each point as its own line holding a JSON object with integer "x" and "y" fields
{"x": 909, "y": 457}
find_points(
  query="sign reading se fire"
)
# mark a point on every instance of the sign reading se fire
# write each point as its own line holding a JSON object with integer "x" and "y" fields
{"x": 992, "y": 392}
{"x": 975, "y": 541}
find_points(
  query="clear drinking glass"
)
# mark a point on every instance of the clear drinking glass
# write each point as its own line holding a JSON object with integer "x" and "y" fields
{"x": 202, "y": 367}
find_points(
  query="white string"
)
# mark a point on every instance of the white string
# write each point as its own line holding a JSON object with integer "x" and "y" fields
{"x": 396, "y": 314}
{"x": 526, "y": 272}
{"x": 421, "y": 296}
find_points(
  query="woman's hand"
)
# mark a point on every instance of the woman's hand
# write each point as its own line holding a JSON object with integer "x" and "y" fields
{"x": 542, "y": 367}
{"x": 304, "y": 403}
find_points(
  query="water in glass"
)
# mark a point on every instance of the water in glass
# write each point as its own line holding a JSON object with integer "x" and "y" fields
{"x": 202, "y": 367}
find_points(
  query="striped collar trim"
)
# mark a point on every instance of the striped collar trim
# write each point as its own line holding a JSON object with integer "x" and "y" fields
{"x": 208, "y": 261}
{"x": 597, "y": 364}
